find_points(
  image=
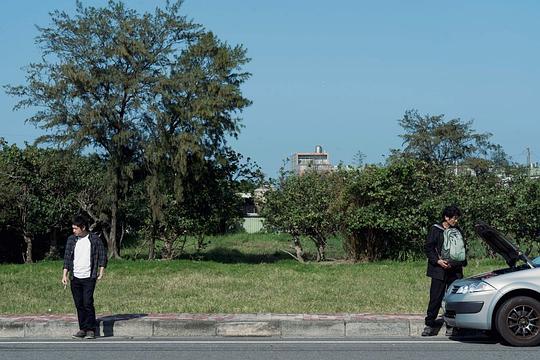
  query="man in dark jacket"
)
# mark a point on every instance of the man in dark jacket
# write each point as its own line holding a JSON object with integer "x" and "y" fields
{"x": 442, "y": 272}
{"x": 85, "y": 260}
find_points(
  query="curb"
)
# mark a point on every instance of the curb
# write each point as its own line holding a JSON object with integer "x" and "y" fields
{"x": 220, "y": 325}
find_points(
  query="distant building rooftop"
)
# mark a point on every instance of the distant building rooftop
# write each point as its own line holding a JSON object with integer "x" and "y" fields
{"x": 311, "y": 161}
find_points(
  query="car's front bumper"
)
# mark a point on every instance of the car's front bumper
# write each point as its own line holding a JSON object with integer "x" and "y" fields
{"x": 468, "y": 311}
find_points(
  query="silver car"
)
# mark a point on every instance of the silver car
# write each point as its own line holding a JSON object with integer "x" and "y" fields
{"x": 506, "y": 301}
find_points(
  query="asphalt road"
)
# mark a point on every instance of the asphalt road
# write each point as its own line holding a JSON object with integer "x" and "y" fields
{"x": 243, "y": 348}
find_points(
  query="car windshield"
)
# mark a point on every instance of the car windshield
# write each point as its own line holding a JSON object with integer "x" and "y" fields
{"x": 536, "y": 261}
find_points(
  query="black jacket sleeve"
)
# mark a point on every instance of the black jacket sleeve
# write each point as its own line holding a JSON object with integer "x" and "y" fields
{"x": 431, "y": 246}
{"x": 68, "y": 254}
{"x": 102, "y": 253}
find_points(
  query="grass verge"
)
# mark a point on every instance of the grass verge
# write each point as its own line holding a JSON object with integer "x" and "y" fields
{"x": 188, "y": 286}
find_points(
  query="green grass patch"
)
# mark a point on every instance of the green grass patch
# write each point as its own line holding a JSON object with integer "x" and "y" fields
{"x": 240, "y": 248}
{"x": 178, "y": 286}
{"x": 240, "y": 273}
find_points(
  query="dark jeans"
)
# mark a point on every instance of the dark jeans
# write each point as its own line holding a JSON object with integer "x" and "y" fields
{"x": 83, "y": 296}
{"x": 436, "y": 294}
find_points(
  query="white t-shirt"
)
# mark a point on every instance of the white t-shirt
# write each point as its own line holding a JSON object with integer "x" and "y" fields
{"x": 81, "y": 258}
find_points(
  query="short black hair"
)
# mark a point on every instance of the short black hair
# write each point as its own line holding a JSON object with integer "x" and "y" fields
{"x": 80, "y": 221}
{"x": 450, "y": 211}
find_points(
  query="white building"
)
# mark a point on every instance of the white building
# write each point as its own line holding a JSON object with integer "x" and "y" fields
{"x": 316, "y": 161}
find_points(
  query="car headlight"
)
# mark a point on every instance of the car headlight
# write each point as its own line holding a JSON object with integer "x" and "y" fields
{"x": 474, "y": 287}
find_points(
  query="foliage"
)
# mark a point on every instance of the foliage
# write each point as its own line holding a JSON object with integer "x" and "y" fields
{"x": 209, "y": 205}
{"x": 522, "y": 214}
{"x": 149, "y": 89}
{"x": 301, "y": 206}
{"x": 383, "y": 210}
{"x": 39, "y": 196}
{"x": 191, "y": 170}
{"x": 438, "y": 141}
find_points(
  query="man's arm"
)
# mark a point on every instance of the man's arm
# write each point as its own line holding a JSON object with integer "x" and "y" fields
{"x": 430, "y": 248}
{"x": 65, "y": 277}
{"x": 100, "y": 274}
{"x": 67, "y": 260}
{"x": 102, "y": 258}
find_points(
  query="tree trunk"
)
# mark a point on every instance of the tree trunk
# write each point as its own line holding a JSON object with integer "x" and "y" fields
{"x": 152, "y": 243}
{"x": 53, "y": 245}
{"x": 122, "y": 234}
{"x": 298, "y": 249}
{"x": 321, "y": 256}
{"x": 354, "y": 243}
{"x": 183, "y": 245}
{"x": 168, "y": 242}
{"x": 28, "y": 254}
{"x": 320, "y": 245}
{"x": 371, "y": 245}
{"x": 111, "y": 241}
{"x": 152, "y": 248}
{"x": 201, "y": 245}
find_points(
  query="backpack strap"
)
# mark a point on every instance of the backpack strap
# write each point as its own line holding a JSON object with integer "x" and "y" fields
{"x": 439, "y": 227}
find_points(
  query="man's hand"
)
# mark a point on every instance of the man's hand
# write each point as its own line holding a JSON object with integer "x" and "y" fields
{"x": 443, "y": 263}
{"x": 100, "y": 274}
{"x": 65, "y": 278}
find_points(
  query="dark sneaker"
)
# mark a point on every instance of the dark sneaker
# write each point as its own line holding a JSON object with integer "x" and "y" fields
{"x": 90, "y": 335}
{"x": 79, "y": 334}
{"x": 430, "y": 331}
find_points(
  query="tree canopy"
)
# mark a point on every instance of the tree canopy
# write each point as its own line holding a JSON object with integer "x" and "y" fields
{"x": 149, "y": 88}
{"x": 435, "y": 140}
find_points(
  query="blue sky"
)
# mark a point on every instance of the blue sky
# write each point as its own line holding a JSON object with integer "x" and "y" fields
{"x": 341, "y": 73}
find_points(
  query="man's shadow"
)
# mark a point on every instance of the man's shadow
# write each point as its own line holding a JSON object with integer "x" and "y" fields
{"x": 107, "y": 322}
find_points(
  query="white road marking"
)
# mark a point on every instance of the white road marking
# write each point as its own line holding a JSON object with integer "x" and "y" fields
{"x": 236, "y": 342}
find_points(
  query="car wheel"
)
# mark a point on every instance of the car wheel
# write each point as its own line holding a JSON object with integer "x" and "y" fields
{"x": 518, "y": 321}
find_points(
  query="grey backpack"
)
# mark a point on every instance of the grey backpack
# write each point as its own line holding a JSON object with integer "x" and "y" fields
{"x": 453, "y": 248}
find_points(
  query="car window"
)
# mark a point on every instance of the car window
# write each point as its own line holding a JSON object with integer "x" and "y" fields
{"x": 536, "y": 261}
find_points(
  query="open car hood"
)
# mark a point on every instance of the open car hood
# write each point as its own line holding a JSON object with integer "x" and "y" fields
{"x": 501, "y": 245}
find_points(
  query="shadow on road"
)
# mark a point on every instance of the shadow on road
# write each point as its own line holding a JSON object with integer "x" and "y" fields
{"x": 467, "y": 336}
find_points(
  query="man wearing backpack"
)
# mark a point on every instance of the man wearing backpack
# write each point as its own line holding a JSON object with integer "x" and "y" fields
{"x": 445, "y": 251}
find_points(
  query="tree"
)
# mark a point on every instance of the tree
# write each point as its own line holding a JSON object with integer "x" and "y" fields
{"x": 358, "y": 159}
{"x": 521, "y": 214}
{"x": 383, "y": 211}
{"x": 208, "y": 204}
{"x": 91, "y": 192}
{"x": 302, "y": 206}
{"x": 280, "y": 214}
{"x": 186, "y": 152}
{"x": 19, "y": 195}
{"x": 113, "y": 79}
{"x": 438, "y": 141}
{"x": 37, "y": 195}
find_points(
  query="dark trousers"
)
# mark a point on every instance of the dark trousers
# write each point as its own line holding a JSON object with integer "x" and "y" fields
{"x": 83, "y": 296}
{"x": 436, "y": 294}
